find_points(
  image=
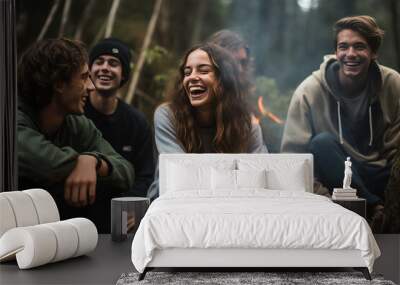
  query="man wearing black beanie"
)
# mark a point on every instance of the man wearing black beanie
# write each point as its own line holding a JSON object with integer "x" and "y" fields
{"x": 124, "y": 127}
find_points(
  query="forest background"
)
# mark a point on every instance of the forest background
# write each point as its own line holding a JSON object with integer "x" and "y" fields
{"x": 287, "y": 39}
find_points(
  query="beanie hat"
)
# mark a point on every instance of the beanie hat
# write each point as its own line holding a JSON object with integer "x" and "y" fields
{"x": 114, "y": 47}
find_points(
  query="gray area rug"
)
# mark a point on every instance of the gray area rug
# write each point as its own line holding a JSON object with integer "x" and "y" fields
{"x": 229, "y": 278}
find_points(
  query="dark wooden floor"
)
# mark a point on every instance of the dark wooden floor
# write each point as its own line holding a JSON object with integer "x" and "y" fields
{"x": 389, "y": 262}
{"x": 110, "y": 260}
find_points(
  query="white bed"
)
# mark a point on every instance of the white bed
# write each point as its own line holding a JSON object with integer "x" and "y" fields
{"x": 247, "y": 210}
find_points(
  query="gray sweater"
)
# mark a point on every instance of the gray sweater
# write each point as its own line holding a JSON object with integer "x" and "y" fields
{"x": 167, "y": 142}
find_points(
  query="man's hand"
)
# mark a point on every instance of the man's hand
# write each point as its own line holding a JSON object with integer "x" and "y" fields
{"x": 80, "y": 186}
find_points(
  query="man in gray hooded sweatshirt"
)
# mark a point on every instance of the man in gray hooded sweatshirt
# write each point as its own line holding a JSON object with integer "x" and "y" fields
{"x": 349, "y": 107}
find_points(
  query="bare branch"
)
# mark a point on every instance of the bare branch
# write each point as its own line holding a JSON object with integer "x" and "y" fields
{"x": 142, "y": 56}
{"x": 64, "y": 19}
{"x": 85, "y": 17}
{"x": 49, "y": 19}
{"x": 111, "y": 18}
{"x": 146, "y": 97}
{"x": 198, "y": 21}
{"x": 99, "y": 35}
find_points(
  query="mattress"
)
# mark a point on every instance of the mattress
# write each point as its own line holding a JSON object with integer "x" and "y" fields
{"x": 250, "y": 218}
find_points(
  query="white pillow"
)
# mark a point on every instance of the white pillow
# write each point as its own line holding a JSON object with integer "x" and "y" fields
{"x": 223, "y": 179}
{"x": 280, "y": 174}
{"x": 251, "y": 178}
{"x": 187, "y": 177}
{"x": 227, "y": 179}
{"x": 292, "y": 179}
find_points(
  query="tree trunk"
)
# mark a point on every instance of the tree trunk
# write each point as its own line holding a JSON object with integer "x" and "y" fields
{"x": 111, "y": 17}
{"x": 65, "y": 15}
{"x": 164, "y": 25}
{"x": 198, "y": 21}
{"x": 85, "y": 17}
{"x": 149, "y": 34}
{"x": 99, "y": 35}
{"x": 49, "y": 19}
{"x": 146, "y": 97}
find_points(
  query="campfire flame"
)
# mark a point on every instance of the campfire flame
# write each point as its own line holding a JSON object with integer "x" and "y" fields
{"x": 267, "y": 113}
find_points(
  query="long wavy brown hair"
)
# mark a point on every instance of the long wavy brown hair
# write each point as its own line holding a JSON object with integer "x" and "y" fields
{"x": 232, "y": 116}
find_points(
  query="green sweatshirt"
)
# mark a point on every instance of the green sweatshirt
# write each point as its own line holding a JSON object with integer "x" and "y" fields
{"x": 49, "y": 161}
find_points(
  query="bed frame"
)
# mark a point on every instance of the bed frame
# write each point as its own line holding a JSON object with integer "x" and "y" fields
{"x": 251, "y": 258}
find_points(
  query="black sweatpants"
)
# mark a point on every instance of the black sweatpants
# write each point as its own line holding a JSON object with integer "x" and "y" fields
{"x": 99, "y": 213}
{"x": 329, "y": 156}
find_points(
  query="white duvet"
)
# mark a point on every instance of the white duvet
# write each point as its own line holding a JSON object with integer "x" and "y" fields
{"x": 253, "y": 218}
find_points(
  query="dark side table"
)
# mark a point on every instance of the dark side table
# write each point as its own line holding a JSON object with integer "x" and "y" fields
{"x": 126, "y": 214}
{"x": 357, "y": 205}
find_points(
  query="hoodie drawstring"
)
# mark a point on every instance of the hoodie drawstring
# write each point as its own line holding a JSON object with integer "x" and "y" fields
{"x": 339, "y": 123}
{"x": 371, "y": 132}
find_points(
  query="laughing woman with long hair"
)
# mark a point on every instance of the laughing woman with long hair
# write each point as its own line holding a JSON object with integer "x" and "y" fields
{"x": 206, "y": 112}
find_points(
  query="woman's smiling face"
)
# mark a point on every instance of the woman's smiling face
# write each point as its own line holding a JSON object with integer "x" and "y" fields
{"x": 199, "y": 79}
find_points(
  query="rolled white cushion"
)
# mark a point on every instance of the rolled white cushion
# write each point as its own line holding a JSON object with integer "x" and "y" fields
{"x": 7, "y": 218}
{"x": 26, "y": 208}
{"x": 87, "y": 235}
{"x": 40, "y": 244}
{"x": 23, "y": 208}
{"x": 45, "y": 205}
{"x": 33, "y": 246}
{"x": 66, "y": 238}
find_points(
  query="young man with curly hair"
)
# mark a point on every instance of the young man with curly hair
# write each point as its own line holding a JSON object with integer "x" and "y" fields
{"x": 59, "y": 149}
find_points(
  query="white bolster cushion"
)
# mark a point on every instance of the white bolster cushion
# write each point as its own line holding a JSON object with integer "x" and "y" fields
{"x": 87, "y": 235}
{"x": 45, "y": 205}
{"x": 23, "y": 208}
{"x": 40, "y": 244}
{"x": 67, "y": 240}
{"x": 26, "y": 208}
{"x": 33, "y": 246}
{"x": 7, "y": 218}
